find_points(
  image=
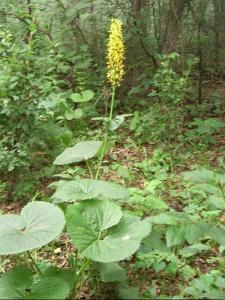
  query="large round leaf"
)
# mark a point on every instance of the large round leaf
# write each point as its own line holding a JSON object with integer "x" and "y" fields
{"x": 14, "y": 283}
{"x": 84, "y": 96}
{"x": 111, "y": 272}
{"x": 87, "y": 220}
{"x": 49, "y": 288}
{"x": 38, "y": 224}
{"x": 201, "y": 175}
{"x": 19, "y": 283}
{"x": 84, "y": 189}
{"x": 98, "y": 233}
{"x": 79, "y": 152}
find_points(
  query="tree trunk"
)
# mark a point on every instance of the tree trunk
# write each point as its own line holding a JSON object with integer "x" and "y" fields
{"x": 141, "y": 30}
{"x": 219, "y": 15}
{"x": 173, "y": 25}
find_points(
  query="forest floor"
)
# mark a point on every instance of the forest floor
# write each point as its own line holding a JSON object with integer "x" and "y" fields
{"x": 135, "y": 166}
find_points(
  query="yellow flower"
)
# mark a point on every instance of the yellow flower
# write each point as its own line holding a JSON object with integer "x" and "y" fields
{"x": 115, "y": 53}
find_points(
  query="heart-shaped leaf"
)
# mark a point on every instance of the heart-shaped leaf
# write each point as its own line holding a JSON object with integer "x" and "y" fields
{"x": 86, "y": 189}
{"x": 79, "y": 152}
{"x": 15, "y": 282}
{"x": 19, "y": 283}
{"x": 111, "y": 272}
{"x": 49, "y": 288}
{"x": 87, "y": 220}
{"x": 84, "y": 96}
{"x": 98, "y": 233}
{"x": 66, "y": 275}
{"x": 38, "y": 224}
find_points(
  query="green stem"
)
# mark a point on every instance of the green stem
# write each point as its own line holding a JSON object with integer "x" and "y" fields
{"x": 83, "y": 268}
{"x": 222, "y": 191}
{"x": 102, "y": 155}
{"x": 75, "y": 264}
{"x": 35, "y": 197}
{"x": 107, "y": 133}
{"x": 89, "y": 169}
{"x": 112, "y": 102}
{"x": 34, "y": 263}
{"x": 79, "y": 274}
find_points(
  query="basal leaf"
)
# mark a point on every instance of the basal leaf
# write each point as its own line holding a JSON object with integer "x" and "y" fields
{"x": 84, "y": 96}
{"x": 14, "y": 283}
{"x": 127, "y": 292}
{"x": 93, "y": 230}
{"x": 87, "y": 220}
{"x": 66, "y": 275}
{"x": 49, "y": 288}
{"x": 84, "y": 189}
{"x": 19, "y": 283}
{"x": 195, "y": 231}
{"x": 175, "y": 235}
{"x": 7, "y": 292}
{"x": 111, "y": 272}
{"x": 38, "y": 224}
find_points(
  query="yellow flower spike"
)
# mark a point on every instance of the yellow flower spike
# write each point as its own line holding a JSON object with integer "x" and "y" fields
{"x": 115, "y": 53}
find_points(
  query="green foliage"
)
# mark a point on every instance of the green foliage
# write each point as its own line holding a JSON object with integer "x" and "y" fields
{"x": 26, "y": 126}
{"x": 158, "y": 166}
{"x": 84, "y": 96}
{"x": 111, "y": 272}
{"x": 170, "y": 88}
{"x": 208, "y": 286}
{"x": 164, "y": 118}
{"x": 121, "y": 240}
{"x": 203, "y": 130}
{"x": 86, "y": 189}
{"x": 81, "y": 151}
{"x": 145, "y": 200}
{"x": 19, "y": 283}
{"x": 163, "y": 237}
{"x": 38, "y": 224}
{"x": 126, "y": 292}
{"x": 24, "y": 81}
{"x": 211, "y": 184}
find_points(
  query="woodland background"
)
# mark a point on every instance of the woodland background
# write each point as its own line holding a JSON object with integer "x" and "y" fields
{"x": 167, "y": 144}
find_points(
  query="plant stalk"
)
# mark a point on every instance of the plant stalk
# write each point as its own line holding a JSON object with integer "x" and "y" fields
{"x": 112, "y": 102}
{"x": 34, "y": 263}
{"x": 106, "y": 132}
{"x": 89, "y": 169}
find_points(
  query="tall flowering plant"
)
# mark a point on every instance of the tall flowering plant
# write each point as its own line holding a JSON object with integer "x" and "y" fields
{"x": 115, "y": 65}
{"x": 115, "y": 58}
